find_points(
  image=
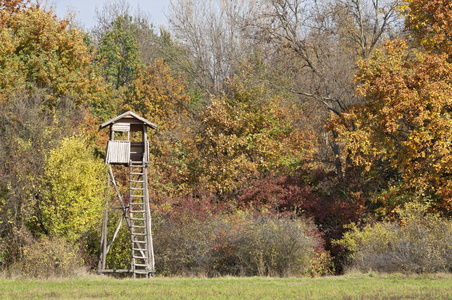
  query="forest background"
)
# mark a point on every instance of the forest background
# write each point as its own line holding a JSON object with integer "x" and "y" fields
{"x": 295, "y": 137}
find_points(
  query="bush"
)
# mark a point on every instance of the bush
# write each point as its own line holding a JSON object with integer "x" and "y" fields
{"x": 182, "y": 237}
{"x": 420, "y": 242}
{"x": 313, "y": 193}
{"x": 275, "y": 247}
{"x": 191, "y": 242}
{"x": 49, "y": 257}
{"x": 75, "y": 192}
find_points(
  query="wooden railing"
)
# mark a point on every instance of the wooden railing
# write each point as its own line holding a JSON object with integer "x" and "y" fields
{"x": 118, "y": 152}
{"x": 122, "y": 152}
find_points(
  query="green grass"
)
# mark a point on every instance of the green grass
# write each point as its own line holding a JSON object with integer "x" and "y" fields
{"x": 360, "y": 286}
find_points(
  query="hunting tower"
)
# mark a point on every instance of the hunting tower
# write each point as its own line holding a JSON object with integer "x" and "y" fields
{"x": 128, "y": 146}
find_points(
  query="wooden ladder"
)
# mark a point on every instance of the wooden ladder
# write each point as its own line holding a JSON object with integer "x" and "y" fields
{"x": 140, "y": 222}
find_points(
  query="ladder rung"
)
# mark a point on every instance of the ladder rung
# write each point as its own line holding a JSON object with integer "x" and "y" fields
{"x": 140, "y": 242}
{"x": 139, "y": 234}
{"x": 138, "y": 226}
{"x": 139, "y": 181}
{"x": 137, "y": 211}
{"x": 137, "y": 196}
{"x": 142, "y": 251}
{"x": 139, "y": 249}
{"x": 136, "y": 189}
{"x": 140, "y": 265}
{"x": 142, "y": 272}
{"x": 139, "y": 257}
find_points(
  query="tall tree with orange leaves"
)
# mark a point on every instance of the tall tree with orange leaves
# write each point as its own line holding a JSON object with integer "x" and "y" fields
{"x": 430, "y": 22}
{"x": 159, "y": 95}
{"x": 400, "y": 135}
{"x": 37, "y": 49}
{"x": 249, "y": 135}
{"x": 162, "y": 97}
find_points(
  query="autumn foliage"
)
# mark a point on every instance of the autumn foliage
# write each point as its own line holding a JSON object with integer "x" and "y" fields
{"x": 249, "y": 135}
{"x": 430, "y": 22}
{"x": 264, "y": 141}
{"x": 159, "y": 95}
{"x": 401, "y": 132}
{"x": 41, "y": 50}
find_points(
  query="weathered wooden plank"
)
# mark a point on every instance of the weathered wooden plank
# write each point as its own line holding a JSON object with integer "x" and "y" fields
{"x": 118, "y": 152}
{"x": 115, "y": 234}
{"x": 110, "y": 172}
{"x": 122, "y": 127}
{"x": 150, "y": 246}
{"x": 115, "y": 271}
{"x": 129, "y": 117}
{"x": 103, "y": 244}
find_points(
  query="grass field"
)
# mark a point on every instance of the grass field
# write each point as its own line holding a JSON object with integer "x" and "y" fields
{"x": 360, "y": 286}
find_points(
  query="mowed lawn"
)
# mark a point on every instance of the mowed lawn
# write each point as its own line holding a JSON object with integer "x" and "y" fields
{"x": 360, "y": 286}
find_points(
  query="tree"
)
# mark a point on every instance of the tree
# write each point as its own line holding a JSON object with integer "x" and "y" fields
{"x": 119, "y": 53}
{"x": 38, "y": 49}
{"x": 125, "y": 42}
{"x": 430, "y": 22}
{"x": 47, "y": 83}
{"x": 159, "y": 96}
{"x": 138, "y": 23}
{"x": 13, "y": 5}
{"x": 248, "y": 136}
{"x": 27, "y": 133}
{"x": 401, "y": 134}
{"x": 214, "y": 44}
{"x": 317, "y": 45}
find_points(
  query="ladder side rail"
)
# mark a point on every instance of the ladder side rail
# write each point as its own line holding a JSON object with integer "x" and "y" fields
{"x": 147, "y": 211}
{"x": 138, "y": 222}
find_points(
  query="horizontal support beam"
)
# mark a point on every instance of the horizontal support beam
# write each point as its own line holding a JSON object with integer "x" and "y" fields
{"x": 115, "y": 271}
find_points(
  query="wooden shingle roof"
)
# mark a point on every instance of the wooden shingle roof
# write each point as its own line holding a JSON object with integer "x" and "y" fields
{"x": 128, "y": 117}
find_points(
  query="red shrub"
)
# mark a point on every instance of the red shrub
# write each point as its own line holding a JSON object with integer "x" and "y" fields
{"x": 314, "y": 194}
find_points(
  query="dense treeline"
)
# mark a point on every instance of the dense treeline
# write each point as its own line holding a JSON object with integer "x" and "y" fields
{"x": 295, "y": 137}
